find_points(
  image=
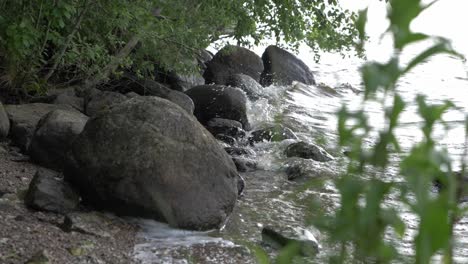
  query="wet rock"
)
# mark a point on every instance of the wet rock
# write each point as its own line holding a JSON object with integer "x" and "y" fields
{"x": 233, "y": 60}
{"x": 54, "y": 135}
{"x": 184, "y": 82}
{"x": 147, "y": 157}
{"x": 24, "y": 118}
{"x": 236, "y": 151}
{"x": 103, "y": 101}
{"x": 48, "y": 193}
{"x": 226, "y": 139}
{"x": 4, "y": 122}
{"x": 244, "y": 164}
{"x": 227, "y": 127}
{"x": 307, "y": 151}
{"x": 278, "y": 238}
{"x": 203, "y": 58}
{"x": 240, "y": 185}
{"x": 252, "y": 88}
{"x": 283, "y": 68}
{"x": 218, "y": 101}
{"x": 298, "y": 168}
{"x": 272, "y": 133}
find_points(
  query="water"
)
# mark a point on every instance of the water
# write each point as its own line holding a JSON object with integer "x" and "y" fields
{"x": 270, "y": 199}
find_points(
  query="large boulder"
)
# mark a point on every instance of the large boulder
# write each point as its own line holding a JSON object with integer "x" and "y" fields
{"x": 233, "y": 60}
{"x": 282, "y": 67}
{"x": 4, "y": 122}
{"x": 49, "y": 193}
{"x": 69, "y": 98}
{"x": 24, "y": 118}
{"x": 102, "y": 101}
{"x": 54, "y": 135}
{"x": 252, "y": 88}
{"x": 218, "y": 101}
{"x": 150, "y": 158}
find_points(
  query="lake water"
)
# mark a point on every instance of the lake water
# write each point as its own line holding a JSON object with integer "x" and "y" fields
{"x": 271, "y": 200}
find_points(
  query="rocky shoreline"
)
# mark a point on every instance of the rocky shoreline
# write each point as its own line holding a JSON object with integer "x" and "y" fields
{"x": 169, "y": 149}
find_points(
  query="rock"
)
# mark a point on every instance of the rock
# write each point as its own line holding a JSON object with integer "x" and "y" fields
{"x": 282, "y": 67}
{"x": 48, "y": 193}
{"x": 71, "y": 100}
{"x": 308, "y": 151}
{"x": 272, "y": 133}
{"x": 148, "y": 157}
{"x": 298, "y": 168}
{"x": 279, "y": 239}
{"x": 233, "y": 60}
{"x": 244, "y": 164}
{"x": 131, "y": 94}
{"x": 90, "y": 223}
{"x": 203, "y": 58}
{"x": 40, "y": 257}
{"x": 4, "y": 122}
{"x": 184, "y": 82}
{"x": 152, "y": 88}
{"x": 226, "y": 127}
{"x": 252, "y": 88}
{"x": 240, "y": 185}
{"x": 103, "y": 101}
{"x": 236, "y": 151}
{"x": 24, "y": 118}
{"x": 226, "y": 139}
{"x": 218, "y": 101}
{"x": 54, "y": 135}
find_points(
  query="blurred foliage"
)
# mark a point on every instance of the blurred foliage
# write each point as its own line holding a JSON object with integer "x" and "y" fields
{"x": 73, "y": 40}
{"x": 362, "y": 225}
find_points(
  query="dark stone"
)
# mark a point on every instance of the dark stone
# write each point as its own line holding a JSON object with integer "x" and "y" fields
{"x": 226, "y": 139}
{"x": 244, "y": 164}
{"x": 233, "y": 60}
{"x": 103, "y": 101}
{"x": 218, "y": 101}
{"x": 282, "y": 67}
{"x": 272, "y": 133}
{"x": 307, "y": 151}
{"x": 54, "y": 135}
{"x": 184, "y": 82}
{"x": 240, "y": 185}
{"x": 148, "y": 157}
{"x": 298, "y": 168}
{"x": 48, "y": 193}
{"x": 236, "y": 151}
{"x": 252, "y": 88}
{"x": 280, "y": 239}
{"x": 4, "y": 123}
{"x": 24, "y": 118}
{"x": 227, "y": 127}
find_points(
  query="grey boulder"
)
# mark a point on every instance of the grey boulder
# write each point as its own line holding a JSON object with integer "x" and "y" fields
{"x": 99, "y": 102}
{"x": 283, "y": 68}
{"x": 24, "y": 118}
{"x": 54, "y": 135}
{"x": 148, "y": 157}
{"x": 49, "y": 193}
{"x": 218, "y": 101}
{"x": 233, "y": 60}
{"x": 251, "y": 87}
